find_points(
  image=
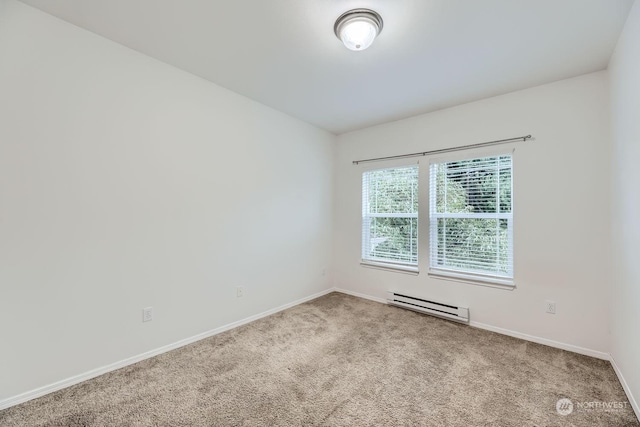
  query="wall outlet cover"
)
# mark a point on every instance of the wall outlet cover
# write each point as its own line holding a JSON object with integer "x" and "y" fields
{"x": 147, "y": 314}
{"x": 550, "y": 307}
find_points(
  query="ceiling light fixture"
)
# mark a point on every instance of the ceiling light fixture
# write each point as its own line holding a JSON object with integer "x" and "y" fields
{"x": 357, "y": 28}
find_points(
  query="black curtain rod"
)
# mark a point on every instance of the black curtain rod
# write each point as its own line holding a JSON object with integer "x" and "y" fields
{"x": 446, "y": 150}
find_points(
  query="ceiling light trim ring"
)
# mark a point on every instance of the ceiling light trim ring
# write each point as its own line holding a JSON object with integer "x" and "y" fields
{"x": 353, "y": 13}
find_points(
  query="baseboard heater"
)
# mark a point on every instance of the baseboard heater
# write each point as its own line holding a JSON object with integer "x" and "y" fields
{"x": 429, "y": 306}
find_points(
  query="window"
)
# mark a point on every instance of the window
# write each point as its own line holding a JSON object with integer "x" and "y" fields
{"x": 390, "y": 216}
{"x": 471, "y": 219}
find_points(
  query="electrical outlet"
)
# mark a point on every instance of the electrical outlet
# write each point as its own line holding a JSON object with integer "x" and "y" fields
{"x": 147, "y": 314}
{"x": 550, "y": 307}
{"x": 240, "y": 291}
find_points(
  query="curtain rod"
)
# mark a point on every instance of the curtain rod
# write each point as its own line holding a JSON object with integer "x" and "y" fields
{"x": 446, "y": 150}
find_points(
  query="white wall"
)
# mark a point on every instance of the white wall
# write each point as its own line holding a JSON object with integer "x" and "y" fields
{"x": 561, "y": 213}
{"x": 624, "y": 74}
{"x": 127, "y": 183}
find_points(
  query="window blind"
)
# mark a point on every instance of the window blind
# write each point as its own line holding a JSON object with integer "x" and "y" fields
{"x": 390, "y": 215}
{"x": 471, "y": 217}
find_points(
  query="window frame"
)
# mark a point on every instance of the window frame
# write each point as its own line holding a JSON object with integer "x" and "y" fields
{"x": 473, "y": 277}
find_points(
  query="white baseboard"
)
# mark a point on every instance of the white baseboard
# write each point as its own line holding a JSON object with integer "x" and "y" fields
{"x": 569, "y": 347}
{"x": 625, "y": 387}
{"x": 359, "y": 295}
{"x": 58, "y": 385}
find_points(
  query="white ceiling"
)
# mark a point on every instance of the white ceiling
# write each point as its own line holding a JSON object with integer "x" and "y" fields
{"x": 431, "y": 54}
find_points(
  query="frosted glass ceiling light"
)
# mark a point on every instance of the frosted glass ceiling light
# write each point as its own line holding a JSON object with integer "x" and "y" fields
{"x": 357, "y": 28}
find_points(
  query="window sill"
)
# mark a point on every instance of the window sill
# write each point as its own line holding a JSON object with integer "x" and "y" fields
{"x": 397, "y": 268}
{"x": 491, "y": 282}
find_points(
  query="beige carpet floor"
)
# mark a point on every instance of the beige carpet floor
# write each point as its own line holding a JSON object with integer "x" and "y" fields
{"x": 343, "y": 361}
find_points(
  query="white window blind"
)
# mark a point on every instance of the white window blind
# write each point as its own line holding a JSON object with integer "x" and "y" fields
{"x": 471, "y": 217}
{"x": 390, "y": 215}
